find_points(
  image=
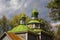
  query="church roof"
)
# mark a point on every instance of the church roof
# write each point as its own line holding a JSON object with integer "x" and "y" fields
{"x": 37, "y": 31}
{"x": 34, "y": 12}
{"x": 14, "y": 36}
{"x": 20, "y": 28}
{"x": 33, "y": 21}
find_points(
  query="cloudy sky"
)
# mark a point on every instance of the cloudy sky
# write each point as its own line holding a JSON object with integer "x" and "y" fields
{"x": 12, "y": 7}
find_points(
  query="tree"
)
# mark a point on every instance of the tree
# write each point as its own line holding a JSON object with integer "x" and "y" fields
{"x": 16, "y": 19}
{"x": 54, "y": 5}
{"x": 57, "y": 34}
{"x": 4, "y": 21}
{"x": 23, "y": 14}
{"x": 45, "y": 24}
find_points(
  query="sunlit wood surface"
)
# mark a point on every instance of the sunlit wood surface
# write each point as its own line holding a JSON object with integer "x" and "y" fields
{"x": 14, "y": 36}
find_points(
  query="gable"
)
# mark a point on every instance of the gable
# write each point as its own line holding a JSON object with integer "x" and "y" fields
{"x": 6, "y": 38}
{"x": 23, "y": 36}
{"x": 14, "y": 36}
{"x": 10, "y": 36}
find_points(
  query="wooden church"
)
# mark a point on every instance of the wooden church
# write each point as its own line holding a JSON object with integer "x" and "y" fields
{"x": 28, "y": 31}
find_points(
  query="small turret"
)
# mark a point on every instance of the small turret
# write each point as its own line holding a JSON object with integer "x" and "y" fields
{"x": 22, "y": 19}
{"x": 34, "y": 22}
{"x": 34, "y": 14}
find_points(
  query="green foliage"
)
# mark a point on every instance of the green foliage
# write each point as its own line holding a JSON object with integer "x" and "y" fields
{"x": 43, "y": 23}
{"x": 16, "y": 19}
{"x": 23, "y": 15}
{"x": 58, "y": 33}
{"x": 58, "y": 30}
{"x": 54, "y": 5}
{"x": 4, "y": 21}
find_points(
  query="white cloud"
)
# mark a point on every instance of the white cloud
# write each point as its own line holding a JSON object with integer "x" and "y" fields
{"x": 55, "y": 24}
{"x": 10, "y": 6}
{"x": 27, "y": 3}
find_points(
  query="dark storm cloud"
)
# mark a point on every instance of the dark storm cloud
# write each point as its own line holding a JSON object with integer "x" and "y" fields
{"x": 11, "y": 7}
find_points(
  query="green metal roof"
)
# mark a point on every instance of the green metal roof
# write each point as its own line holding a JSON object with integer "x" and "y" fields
{"x": 34, "y": 12}
{"x": 24, "y": 28}
{"x": 36, "y": 30}
{"x": 20, "y": 28}
{"x": 33, "y": 21}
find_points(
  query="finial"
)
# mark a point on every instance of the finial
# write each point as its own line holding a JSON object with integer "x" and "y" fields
{"x": 35, "y": 5}
{"x": 34, "y": 10}
{"x": 23, "y": 13}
